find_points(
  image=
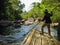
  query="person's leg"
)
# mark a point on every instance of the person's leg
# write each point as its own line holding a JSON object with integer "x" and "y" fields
{"x": 42, "y": 28}
{"x": 49, "y": 32}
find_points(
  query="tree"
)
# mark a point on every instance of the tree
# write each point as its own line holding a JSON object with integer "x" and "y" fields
{"x": 10, "y": 9}
{"x": 3, "y": 5}
{"x": 53, "y": 5}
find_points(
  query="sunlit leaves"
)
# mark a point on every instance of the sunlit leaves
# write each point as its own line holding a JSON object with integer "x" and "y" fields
{"x": 53, "y": 5}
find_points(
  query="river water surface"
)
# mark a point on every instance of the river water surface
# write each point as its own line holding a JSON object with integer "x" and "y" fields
{"x": 19, "y": 34}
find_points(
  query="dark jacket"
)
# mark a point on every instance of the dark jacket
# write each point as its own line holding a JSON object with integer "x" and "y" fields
{"x": 47, "y": 18}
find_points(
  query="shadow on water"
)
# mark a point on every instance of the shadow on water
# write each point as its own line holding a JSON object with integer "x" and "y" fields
{"x": 18, "y": 34}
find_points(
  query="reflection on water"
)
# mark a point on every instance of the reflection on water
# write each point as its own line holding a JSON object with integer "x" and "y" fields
{"x": 18, "y": 34}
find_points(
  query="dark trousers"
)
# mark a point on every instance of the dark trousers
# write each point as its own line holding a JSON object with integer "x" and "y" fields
{"x": 48, "y": 26}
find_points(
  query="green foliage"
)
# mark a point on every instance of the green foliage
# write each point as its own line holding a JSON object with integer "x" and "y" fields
{"x": 51, "y": 5}
{"x": 10, "y": 9}
{"x": 24, "y": 15}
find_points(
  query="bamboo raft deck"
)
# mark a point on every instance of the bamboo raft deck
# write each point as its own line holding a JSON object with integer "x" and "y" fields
{"x": 35, "y": 38}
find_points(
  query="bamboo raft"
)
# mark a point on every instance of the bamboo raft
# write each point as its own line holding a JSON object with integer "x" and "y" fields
{"x": 35, "y": 38}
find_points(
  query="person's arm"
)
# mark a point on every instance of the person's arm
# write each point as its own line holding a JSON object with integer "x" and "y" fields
{"x": 51, "y": 14}
{"x": 43, "y": 18}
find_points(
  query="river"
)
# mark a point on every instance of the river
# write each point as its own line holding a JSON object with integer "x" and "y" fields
{"x": 19, "y": 34}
